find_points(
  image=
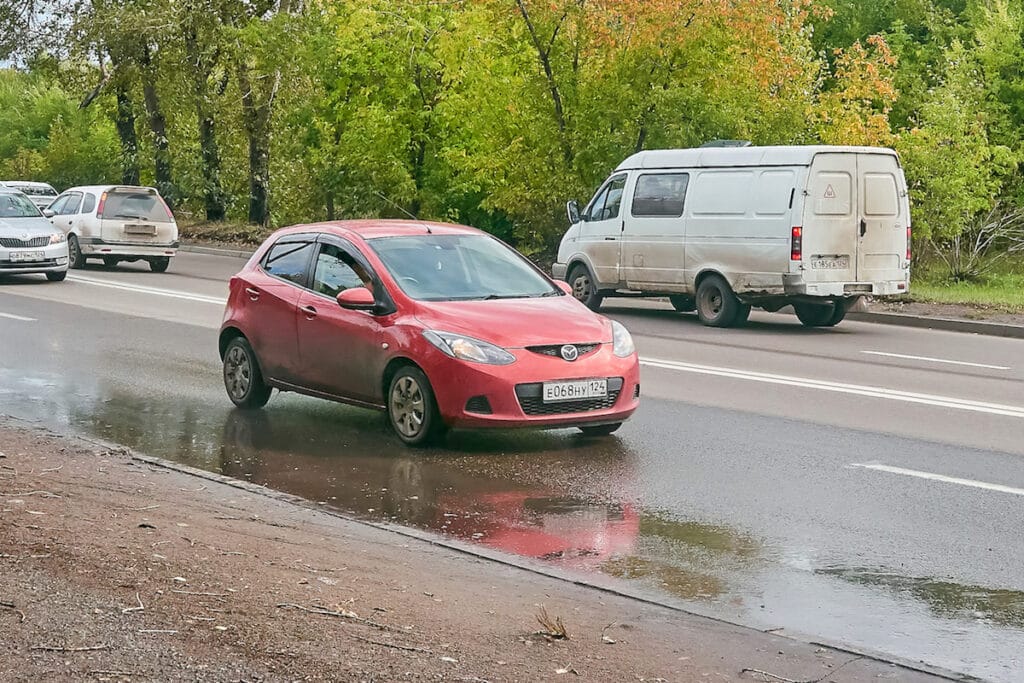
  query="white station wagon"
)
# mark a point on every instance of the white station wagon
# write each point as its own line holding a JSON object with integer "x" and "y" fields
{"x": 116, "y": 223}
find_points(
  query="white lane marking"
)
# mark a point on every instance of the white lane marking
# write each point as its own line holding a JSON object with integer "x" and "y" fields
{"x": 17, "y": 317}
{"x": 839, "y": 387}
{"x": 937, "y": 360}
{"x": 142, "y": 289}
{"x": 940, "y": 477}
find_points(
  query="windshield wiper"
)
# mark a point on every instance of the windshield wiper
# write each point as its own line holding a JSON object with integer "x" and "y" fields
{"x": 492, "y": 297}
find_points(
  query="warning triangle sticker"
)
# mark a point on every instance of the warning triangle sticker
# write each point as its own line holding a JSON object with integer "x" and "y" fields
{"x": 830, "y": 193}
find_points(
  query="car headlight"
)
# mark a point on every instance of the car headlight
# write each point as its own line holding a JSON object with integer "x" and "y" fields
{"x": 622, "y": 342}
{"x": 466, "y": 348}
{"x": 58, "y": 237}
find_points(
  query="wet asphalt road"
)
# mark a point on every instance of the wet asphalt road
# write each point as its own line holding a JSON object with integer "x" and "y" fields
{"x": 862, "y": 485}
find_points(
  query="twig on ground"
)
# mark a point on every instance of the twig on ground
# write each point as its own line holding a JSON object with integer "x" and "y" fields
{"x": 170, "y": 631}
{"x": 767, "y": 675}
{"x": 344, "y": 614}
{"x": 407, "y": 648}
{"x": 148, "y": 507}
{"x": 11, "y": 606}
{"x": 59, "y": 648}
{"x": 44, "y": 494}
{"x": 141, "y": 607}
{"x": 52, "y": 469}
{"x": 108, "y": 672}
{"x": 606, "y": 639}
{"x": 553, "y": 628}
{"x": 219, "y": 596}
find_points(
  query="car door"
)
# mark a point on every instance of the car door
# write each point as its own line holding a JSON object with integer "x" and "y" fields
{"x": 601, "y": 230}
{"x": 882, "y": 243}
{"x": 272, "y": 293}
{"x": 652, "y": 240}
{"x": 342, "y": 352}
{"x": 65, "y": 211}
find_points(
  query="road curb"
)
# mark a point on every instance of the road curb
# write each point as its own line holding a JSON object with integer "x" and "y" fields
{"x": 947, "y": 324}
{"x": 215, "y": 251}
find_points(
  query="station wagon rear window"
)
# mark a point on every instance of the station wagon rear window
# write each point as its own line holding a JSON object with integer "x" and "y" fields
{"x": 139, "y": 206}
{"x": 660, "y": 194}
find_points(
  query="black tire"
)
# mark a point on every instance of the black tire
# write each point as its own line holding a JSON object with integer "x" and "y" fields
{"x": 821, "y": 315}
{"x": 584, "y": 287}
{"x": 110, "y": 261}
{"x": 412, "y": 408}
{"x": 76, "y": 259}
{"x": 683, "y": 303}
{"x": 159, "y": 264}
{"x": 243, "y": 379}
{"x": 717, "y": 306}
{"x": 57, "y": 277}
{"x": 600, "y": 430}
{"x": 742, "y": 315}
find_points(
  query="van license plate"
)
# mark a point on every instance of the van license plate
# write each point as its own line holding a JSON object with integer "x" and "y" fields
{"x": 22, "y": 256}
{"x": 555, "y": 392}
{"x": 839, "y": 263}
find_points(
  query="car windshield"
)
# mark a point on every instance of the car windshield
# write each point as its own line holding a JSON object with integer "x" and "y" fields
{"x": 459, "y": 268}
{"x": 17, "y": 206}
{"x": 139, "y": 206}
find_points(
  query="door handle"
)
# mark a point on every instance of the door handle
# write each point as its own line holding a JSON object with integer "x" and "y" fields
{"x": 254, "y": 294}
{"x": 863, "y": 227}
{"x": 610, "y": 239}
{"x": 310, "y": 312}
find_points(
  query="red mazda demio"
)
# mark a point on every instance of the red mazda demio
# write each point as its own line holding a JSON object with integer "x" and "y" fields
{"x": 440, "y": 325}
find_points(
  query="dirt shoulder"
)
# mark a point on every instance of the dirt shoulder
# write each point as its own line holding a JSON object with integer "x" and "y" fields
{"x": 115, "y": 569}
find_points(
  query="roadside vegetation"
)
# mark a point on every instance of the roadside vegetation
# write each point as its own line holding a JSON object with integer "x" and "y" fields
{"x": 494, "y": 112}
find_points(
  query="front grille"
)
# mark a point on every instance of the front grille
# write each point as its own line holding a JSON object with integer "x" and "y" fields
{"x": 531, "y": 400}
{"x": 555, "y": 350}
{"x": 15, "y": 243}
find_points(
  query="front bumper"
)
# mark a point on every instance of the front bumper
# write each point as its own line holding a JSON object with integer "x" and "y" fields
{"x": 55, "y": 260}
{"x": 512, "y": 392}
{"x": 94, "y": 246}
{"x": 794, "y": 285}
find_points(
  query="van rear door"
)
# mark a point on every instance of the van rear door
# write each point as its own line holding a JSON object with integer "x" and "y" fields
{"x": 830, "y": 219}
{"x": 882, "y": 242}
{"x": 135, "y": 214}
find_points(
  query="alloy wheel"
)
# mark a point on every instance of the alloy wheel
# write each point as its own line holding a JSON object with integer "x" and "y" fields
{"x": 238, "y": 372}
{"x": 408, "y": 407}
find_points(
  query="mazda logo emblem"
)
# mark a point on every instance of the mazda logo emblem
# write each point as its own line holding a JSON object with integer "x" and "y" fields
{"x": 570, "y": 352}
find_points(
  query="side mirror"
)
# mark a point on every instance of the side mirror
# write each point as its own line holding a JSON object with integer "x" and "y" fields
{"x": 572, "y": 208}
{"x": 564, "y": 286}
{"x": 49, "y": 213}
{"x": 357, "y": 299}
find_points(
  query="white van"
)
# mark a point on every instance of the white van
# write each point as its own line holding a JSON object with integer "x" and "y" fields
{"x": 721, "y": 229}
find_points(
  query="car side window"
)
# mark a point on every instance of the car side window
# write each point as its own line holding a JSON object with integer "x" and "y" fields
{"x": 289, "y": 261}
{"x": 58, "y": 204}
{"x": 336, "y": 271}
{"x": 596, "y": 206}
{"x": 608, "y": 201}
{"x": 89, "y": 203}
{"x": 70, "y": 205}
{"x": 660, "y": 194}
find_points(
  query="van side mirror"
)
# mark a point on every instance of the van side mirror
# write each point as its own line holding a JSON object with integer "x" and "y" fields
{"x": 572, "y": 209}
{"x": 49, "y": 213}
{"x": 357, "y": 299}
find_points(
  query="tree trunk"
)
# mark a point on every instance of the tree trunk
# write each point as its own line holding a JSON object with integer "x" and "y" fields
{"x": 158, "y": 127}
{"x": 213, "y": 194}
{"x": 125, "y": 122}
{"x": 256, "y": 118}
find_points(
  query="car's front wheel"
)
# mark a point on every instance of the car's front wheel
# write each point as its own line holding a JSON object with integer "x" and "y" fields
{"x": 242, "y": 377}
{"x": 600, "y": 430}
{"x": 412, "y": 408}
{"x": 76, "y": 259}
{"x": 57, "y": 276}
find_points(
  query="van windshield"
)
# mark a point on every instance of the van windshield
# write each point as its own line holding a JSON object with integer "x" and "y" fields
{"x": 139, "y": 206}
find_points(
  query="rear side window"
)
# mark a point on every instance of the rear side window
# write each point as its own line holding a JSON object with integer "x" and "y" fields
{"x": 140, "y": 206}
{"x": 89, "y": 203}
{"x": 660, "y": 194}
{"x": 289, "y": 261}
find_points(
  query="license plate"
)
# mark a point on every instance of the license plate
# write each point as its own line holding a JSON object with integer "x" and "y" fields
{"x": 20, "y": 256}
{"x": 555, "y": 392}
{"x": 838, "y": 263}
{"x": 140, "y": 229}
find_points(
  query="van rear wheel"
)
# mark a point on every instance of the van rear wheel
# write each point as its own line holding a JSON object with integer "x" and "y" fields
{"x": 821, "y": 315}
{"x": 717, "y": 306}
{"x": 584, "y": 287}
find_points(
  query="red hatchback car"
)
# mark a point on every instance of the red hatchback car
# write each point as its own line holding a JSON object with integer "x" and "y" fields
{"x": 439, "y": 325}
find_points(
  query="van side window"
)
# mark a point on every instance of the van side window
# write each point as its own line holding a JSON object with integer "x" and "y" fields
{"x": 607, "y": 202}
{"x": 660, "y": 194}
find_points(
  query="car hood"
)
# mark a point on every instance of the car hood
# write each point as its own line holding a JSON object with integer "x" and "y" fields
{"x": 514, "y": 323}
{"x": 19, "y": 227}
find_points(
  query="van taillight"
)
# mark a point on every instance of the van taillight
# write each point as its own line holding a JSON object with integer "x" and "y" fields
{"x": 796, "y": 252}
{"x": 908, "y": 243}
{"x": 99, "y": 207}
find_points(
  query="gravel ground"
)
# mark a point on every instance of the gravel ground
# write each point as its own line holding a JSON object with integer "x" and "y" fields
{"x": 116, "y": 569}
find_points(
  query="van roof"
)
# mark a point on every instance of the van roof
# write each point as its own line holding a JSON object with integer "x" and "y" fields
{"x": 705, "y": 157}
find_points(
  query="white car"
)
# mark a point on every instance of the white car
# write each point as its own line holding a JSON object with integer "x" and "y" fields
{"x": 40, "y": 194}
{"x": 116, "y": 223}
{"x": 28, "y": 243}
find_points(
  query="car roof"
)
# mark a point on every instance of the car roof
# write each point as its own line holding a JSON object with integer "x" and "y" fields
{"x": 108, "y": 188}
{"x": 376, "y": 228}
{"x": 24, "y": 183}
{"x": 705, "y": 157}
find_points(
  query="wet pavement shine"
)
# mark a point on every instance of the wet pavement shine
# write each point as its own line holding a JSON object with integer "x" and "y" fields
{"x": 723, "y": 513}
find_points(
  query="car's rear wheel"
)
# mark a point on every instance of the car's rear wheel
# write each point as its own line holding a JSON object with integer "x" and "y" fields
{"x": 717, "y": 306}
{"x": 600, "y": 430}
{"x": 76, "y": 259}
{"x": 412, "y": 408}
{"x": 821, "y": 315}
{"x": 683, "y": 303}
{"x": 159, "y": 264}
{"x": 57, "y": 277}
{"x": 242, "y": 377}
{"x": 584, "y": 287}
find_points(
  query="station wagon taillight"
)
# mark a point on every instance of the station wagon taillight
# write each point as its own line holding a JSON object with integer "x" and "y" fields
{"x": 796, "y": 251}
{"x": 99, "y": 207}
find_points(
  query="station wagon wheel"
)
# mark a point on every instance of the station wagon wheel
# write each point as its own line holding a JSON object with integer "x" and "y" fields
{"x": 717, "y": 306}
{"x": 158, "y": 264}
{"x": 76, "y": 259}
{"x": 242, "y": 376}
{"x": 584, "y": 287}
{"x": 412, "y": 408}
